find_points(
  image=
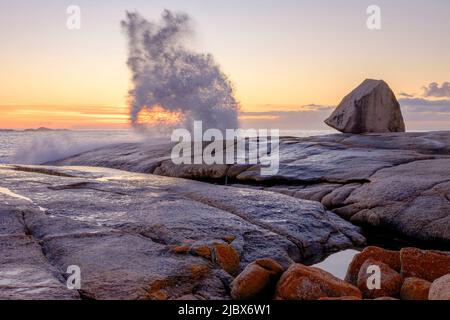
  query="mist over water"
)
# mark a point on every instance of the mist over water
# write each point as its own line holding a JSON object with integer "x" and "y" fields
{"x": 41, "y": 147}
{"x": 167, "y": 75}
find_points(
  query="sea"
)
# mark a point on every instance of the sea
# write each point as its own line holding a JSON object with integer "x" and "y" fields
{"x": 37, "y": 147}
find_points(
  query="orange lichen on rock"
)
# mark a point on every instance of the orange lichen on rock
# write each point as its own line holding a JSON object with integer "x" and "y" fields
{"x": 199, "y": 271}
{"x": 391, "y": 258}
{"x": 424, "y": 264}
{"x": 390, "y": 280}
{"x": 179, "y": 249}
{"x": 226, "y": 257}
{"x": 415, "y": 289}
{"x": 229, "y": 239}
{"x": 202, "y": 251}
{"x": 300, "y": 282}
{"x": 257, "y": 280}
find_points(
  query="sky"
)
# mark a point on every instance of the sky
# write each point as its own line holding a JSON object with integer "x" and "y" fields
{"x": 290, "y": 61}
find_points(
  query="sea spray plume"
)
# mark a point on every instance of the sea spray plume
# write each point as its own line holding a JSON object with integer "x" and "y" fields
{"x": 167, "y": 75}
{"x": 43, "y": 147}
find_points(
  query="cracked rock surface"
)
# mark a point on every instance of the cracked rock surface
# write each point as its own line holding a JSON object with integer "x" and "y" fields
{"x": 141, "y": 236}
{"x": 394, "y": 181}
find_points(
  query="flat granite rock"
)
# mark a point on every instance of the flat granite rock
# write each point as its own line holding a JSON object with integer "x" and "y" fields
{"x": 395, "y": 181}
{"x": 140, "y": 236}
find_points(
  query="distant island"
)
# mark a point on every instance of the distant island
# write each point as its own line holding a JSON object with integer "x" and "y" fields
{"x": 43, "y": 129}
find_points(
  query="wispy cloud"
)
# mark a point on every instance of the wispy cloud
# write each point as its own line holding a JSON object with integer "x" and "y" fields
{"x": 425, "y": 105}
{"x": 310, "y": 118}
{"x": 406, "y": 95}
{"x": 315, "y": 107}
{"x": 426, "y": 114}
{"x": 434, "y": 90}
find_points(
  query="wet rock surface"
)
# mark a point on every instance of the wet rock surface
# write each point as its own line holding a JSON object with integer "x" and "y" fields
{"x": 394, "y": 181}
{"x": 139, "y": 236}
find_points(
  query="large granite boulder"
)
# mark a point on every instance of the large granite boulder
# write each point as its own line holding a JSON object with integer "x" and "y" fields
{"x": 370, "y": 108}
{"x": 140, "y": 236}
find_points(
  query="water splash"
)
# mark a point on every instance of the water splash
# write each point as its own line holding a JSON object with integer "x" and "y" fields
{"x": 167, "y": 75}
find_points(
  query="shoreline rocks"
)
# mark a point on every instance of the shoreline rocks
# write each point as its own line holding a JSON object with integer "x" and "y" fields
{"x": 301, "y": 282}
{"x": 398, "y": 182}
{"x": 140, "y": 236}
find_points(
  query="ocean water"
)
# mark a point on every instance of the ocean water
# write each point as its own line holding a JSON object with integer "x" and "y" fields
{"x": 37, "y": 147}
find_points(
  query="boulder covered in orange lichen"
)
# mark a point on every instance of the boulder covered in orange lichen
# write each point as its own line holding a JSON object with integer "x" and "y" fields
{"x": 424, "y": 264}
{"x": 415, "y": 289}
{"x": 390, "y": 280}
{"x": 300, "y": 282}
{"x": 391, "y": 258}
{"x": 257, "y": 280}
{"x": 227, "y": 257}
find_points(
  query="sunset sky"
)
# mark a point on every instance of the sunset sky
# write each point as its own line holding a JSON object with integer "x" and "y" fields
{"x": 290, "y": 61}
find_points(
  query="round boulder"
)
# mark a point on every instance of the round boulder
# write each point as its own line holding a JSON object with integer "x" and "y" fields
{"x": 300, "y": 282}
{"x": 424, "y": 264}
{"x": 257, "y": 280}
{"x": 390, "y": 281}
{"x": 391, "y": 258}
{"x": 415, "y": 289}
{"x": 440, "y": 289}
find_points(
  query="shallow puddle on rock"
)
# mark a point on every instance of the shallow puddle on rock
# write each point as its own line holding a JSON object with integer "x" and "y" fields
{"x": 337, "y": 263}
